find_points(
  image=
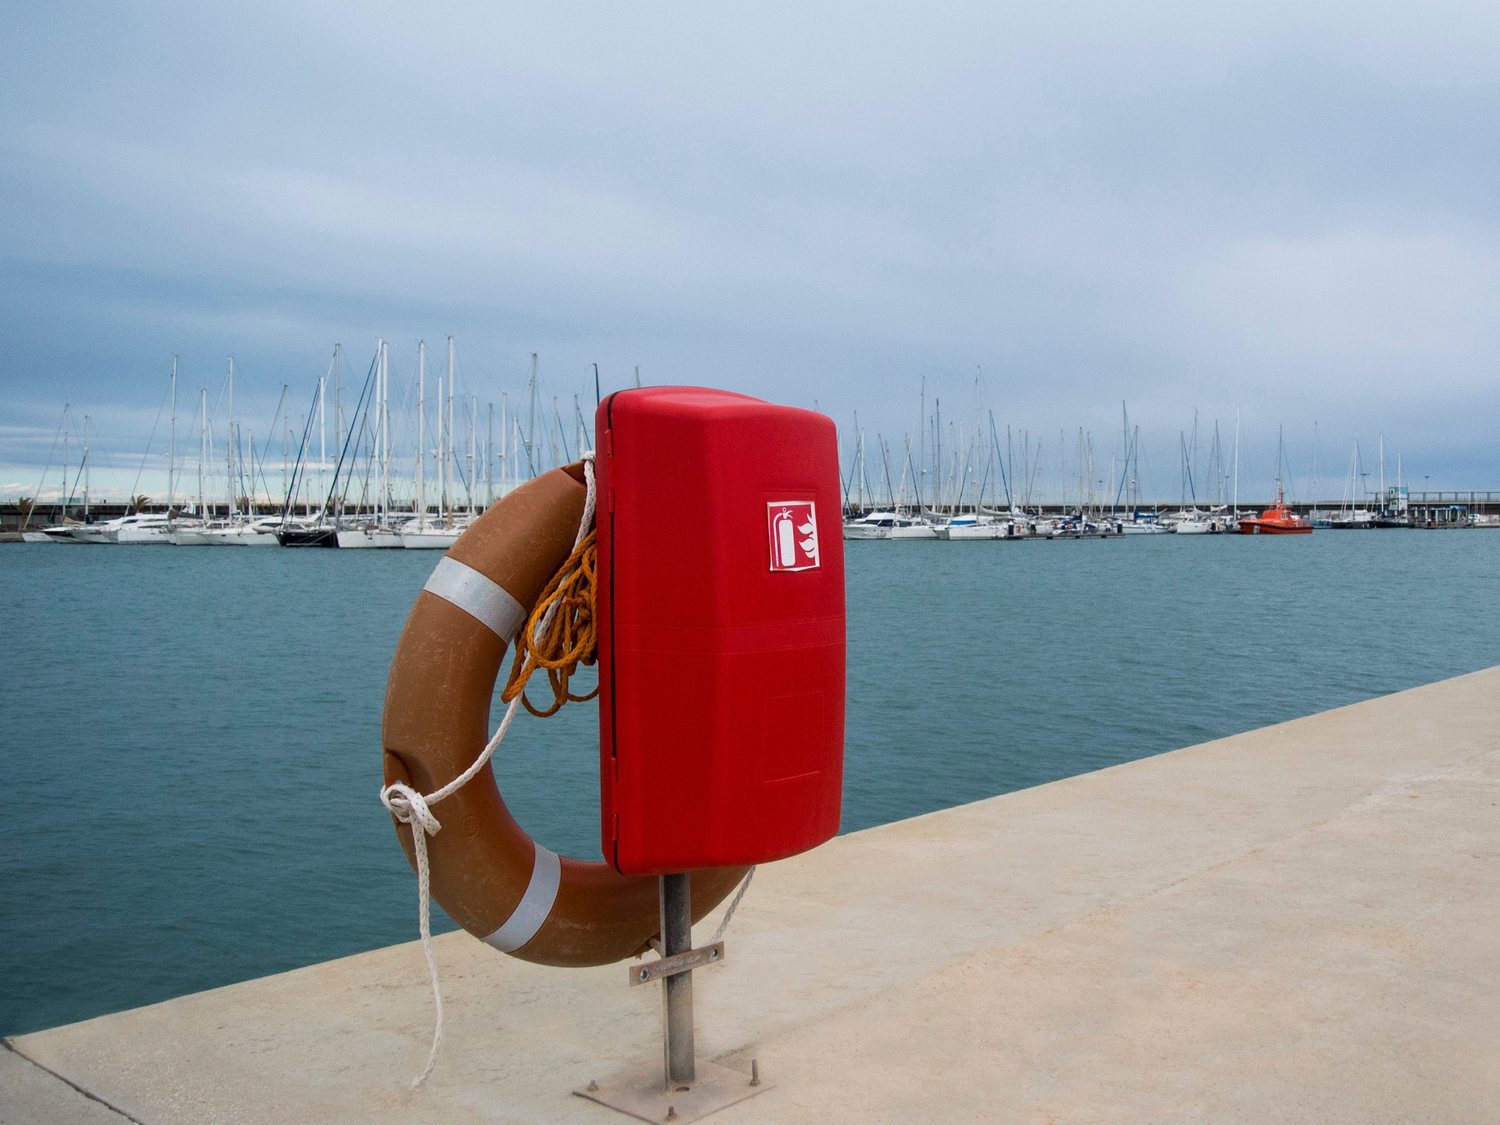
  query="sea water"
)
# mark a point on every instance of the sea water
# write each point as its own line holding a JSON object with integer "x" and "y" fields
{"x": 191, "y": 736}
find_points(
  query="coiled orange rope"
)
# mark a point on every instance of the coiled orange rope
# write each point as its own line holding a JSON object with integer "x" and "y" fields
{"x": 568, "y": 638}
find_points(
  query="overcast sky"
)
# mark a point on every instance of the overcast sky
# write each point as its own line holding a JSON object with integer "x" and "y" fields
{"x": 1285, "y": 210}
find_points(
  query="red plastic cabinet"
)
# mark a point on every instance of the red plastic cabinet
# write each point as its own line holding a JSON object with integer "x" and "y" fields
{"x": 721, "y": 629}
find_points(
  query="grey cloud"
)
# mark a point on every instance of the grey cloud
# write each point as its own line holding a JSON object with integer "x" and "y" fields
{"x": 1273, "y": 210}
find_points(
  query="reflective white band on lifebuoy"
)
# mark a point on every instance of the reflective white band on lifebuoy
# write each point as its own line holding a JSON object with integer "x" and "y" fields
{"x": 487, "y": 602}
{"x": 535, "y": 904}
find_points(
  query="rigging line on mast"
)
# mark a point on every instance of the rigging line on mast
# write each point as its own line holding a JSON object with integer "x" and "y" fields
{"x": 361, "y": 410}
{"x": 154, "y": 425}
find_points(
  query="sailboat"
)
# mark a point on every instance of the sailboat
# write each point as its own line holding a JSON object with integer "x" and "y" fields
{"x": 419, "y": 535}
{"x": 1136, "y": 521}
{"x": 1350, "y": 517}
{"x": 189, "y": 532}
{"x": 378, "y": 530}
{"x": 320, "y": 530}
{"x": 63, "y": 525}
{"x": 1395, "y": 508}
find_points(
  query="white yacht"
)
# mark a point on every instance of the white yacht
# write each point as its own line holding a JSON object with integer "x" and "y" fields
{"x": 970, "y": 526}
{"x": 136, "y": 528}
{"x": 433, "y": 537}
{"x": 372, "y": 535}
{"x": 888, "y": 525}
{"x": 259, "y": 532}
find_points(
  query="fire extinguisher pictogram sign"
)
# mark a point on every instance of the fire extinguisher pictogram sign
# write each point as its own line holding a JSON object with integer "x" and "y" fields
{"x": 793, "y": 526}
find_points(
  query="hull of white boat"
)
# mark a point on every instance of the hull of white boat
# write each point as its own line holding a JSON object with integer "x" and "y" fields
{"x": 971, "y": 531}
{"x": 430, "y": 539}
{"x": 865, "y": 531}
{"x": 920, "y": 531}
{"x": 238, "y": 537}
{"x": 39, "y": 537}
{"x": 253, "y": 539}
{"x": 94, "y": 534}
{"x": 140, "y": 536}
{"x": 377, "y": 539}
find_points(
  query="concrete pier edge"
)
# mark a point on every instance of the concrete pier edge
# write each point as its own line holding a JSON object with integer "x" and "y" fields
{"x": 1297, "y": 923}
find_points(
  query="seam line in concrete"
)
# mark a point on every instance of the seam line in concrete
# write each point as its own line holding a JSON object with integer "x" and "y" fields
{"x": 93, "y": 1097}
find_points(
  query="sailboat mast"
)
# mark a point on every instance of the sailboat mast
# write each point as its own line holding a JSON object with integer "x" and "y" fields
{"x": 250, "y": 486}
{"x": 442, "y": 462}
{"x": 922, "y": 434}
{"x": 66, "y": 491}
{"x": 449, "y": 495}
{"x": 202, "y": 446}
{"x": 171, "y": 447}
{"x": 229, "y": 449}
{"x": 384, "y": 502}
{"x": 452, "y": 455}
{"x": 531, "y": 421}
{"x": 421, "y": 433}
{"x": 88, "y": 426}
{"x": 504, "y": 442}
{"x": 937, "y": 449}
{"x": 370, "y": 488}
{"x": 338, "y": 417}
{"x": 286, "y": 437}
{"x": 1236, "y": 462}
{"x": 322, "y": 438}
{"x": 1381, "y": 502}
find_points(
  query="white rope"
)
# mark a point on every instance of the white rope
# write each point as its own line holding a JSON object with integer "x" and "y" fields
{"x": 414, "y": 809}
{"x": 733, "y": 906}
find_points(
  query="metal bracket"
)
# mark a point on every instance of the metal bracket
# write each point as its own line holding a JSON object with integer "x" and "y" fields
{"x": 677, "y": 963}
{"x": 638, "y": 1092}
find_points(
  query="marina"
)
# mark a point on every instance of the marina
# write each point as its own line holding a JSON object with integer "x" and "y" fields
{"x": 363, "y": 475}
{"x": 1444, "y": 510}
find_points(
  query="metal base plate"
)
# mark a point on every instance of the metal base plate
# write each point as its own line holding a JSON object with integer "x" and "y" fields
{"x": 639, "y": 1092}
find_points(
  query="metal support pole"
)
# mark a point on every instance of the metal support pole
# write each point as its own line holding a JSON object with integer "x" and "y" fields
{"x": 677, "y": 937}
{"x": 681, "y": 1090}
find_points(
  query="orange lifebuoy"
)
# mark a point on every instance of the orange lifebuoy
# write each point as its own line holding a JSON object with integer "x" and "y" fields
{"x": 486, "y": 871}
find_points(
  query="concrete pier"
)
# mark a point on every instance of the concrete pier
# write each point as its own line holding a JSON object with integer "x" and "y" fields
{"x": 1301, "y": 923}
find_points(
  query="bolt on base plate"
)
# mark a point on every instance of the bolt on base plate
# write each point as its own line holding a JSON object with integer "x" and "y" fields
{"x": 639, "y": 1092}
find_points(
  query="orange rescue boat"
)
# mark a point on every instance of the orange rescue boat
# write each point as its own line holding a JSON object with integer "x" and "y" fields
{"x": 1275, "y": 520}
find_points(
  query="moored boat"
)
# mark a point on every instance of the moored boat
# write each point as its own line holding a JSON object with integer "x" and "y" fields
{"x": 889, "y": 525}
{"x": 250, "y": 532}
{"x": 291, "y": 534}
{"x": 1143, "y": 524}
{"x": 971, "y": 526}
{"x": 433, "y": 537}
{"x": 371, "y": 534}
{"x": 1275, "y": 520}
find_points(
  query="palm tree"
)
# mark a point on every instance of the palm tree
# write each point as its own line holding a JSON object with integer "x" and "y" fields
{"x": 25, "y": 505}
{"x": 138, "y": 503}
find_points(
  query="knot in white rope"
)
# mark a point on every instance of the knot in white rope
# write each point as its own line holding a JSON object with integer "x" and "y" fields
{"x": 409, "y": 807}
